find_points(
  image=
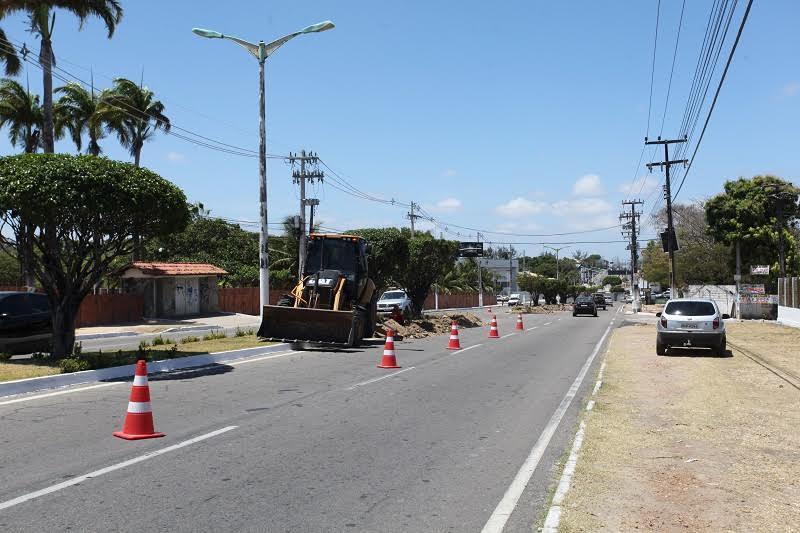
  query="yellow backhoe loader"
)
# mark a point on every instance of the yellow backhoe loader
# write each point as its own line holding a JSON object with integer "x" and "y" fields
{"x": 333, "y": 303}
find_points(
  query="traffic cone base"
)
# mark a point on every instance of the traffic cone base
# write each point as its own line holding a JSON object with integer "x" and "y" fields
{"x": 493, "y": 333}
{"x": 454, "y": 343}
{"x": 389, "y": 360}
{"x": 519, "y": 325}
{"x": 139, "y": 417}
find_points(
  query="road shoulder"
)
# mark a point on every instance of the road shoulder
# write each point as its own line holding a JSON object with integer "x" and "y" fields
{"x": 687, "y": 442}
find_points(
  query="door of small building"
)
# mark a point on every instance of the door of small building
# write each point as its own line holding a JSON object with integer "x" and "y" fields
{"x": 187, "y": 296}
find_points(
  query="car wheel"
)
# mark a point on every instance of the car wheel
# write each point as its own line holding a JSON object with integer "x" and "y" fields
{"x": 661, "y": 349}
{"x": 722, "y": 347}
{"x": 574, "y": 314}
{"x": 595, "y": 314}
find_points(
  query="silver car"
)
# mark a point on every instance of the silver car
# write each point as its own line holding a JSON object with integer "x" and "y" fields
{"x": 691, "y": 323}
{"x": 394, "y": 297}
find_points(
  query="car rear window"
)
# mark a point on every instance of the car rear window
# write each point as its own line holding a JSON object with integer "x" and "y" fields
{"x": 690, "y": 308}
{"x": 15, "y": 305}
{"x": 583, "y": 299}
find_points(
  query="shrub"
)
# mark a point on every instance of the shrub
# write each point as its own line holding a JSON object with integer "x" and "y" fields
{"x": 243, "y": 332}
{"x": 5, "y": 356}
{"x": 214, "y": 335}
{"x": 73, "y": 364}
{"x": 190, "y": 338}
{"x": 159, "y": 341}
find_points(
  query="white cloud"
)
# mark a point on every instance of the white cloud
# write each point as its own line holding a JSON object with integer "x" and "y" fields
{"x": 175, "y": 157}
{"x": 588, "y": 185}
{"x": 581, "y": 206}
{"x": 449, "y": 172}
{"x": 449, "y": 205}
{"x": 519, "y": 207}
{"x": 643, "y": 185}
{"x": 791, "y": 88}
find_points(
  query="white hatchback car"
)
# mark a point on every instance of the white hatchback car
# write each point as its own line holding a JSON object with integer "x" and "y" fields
{"x": 691, "y": 323}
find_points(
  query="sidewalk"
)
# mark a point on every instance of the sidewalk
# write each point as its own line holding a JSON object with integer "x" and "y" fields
{"x": 221, "y": 320}
{"x": 690, "y": 442}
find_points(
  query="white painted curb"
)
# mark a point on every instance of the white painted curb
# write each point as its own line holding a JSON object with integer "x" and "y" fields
{"x": 23, "y": 386}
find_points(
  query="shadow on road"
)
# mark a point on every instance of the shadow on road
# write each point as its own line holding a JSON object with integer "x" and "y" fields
{"x": 696, "y": 352}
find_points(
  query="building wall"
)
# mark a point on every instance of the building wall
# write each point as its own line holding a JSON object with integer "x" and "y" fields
{"x": 209, "y": 297}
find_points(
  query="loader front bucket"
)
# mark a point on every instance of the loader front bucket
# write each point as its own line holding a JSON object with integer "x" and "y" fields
{"x": 303, "y": 325}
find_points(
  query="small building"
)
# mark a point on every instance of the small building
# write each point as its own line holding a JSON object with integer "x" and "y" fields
{"x": 174, "y": 289}
{"x": 505, "y": 271}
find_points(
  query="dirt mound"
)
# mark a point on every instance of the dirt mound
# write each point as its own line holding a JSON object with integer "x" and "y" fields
{"x": 428, "y": 325}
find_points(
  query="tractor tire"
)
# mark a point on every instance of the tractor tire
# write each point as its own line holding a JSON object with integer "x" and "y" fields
{"x": 371, "y": 318}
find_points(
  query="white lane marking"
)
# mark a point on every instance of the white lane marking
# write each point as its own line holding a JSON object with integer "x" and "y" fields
{"x": 554, "y": 514}
{"x": 590, "y": 405}
{"x": 602, "y": 369}
{"x": 559, "y": 319}
{"x": 257, "y": 359}
{"x": 547, "y": 323}
{"x": 465, "y": 349}
{"x": 59, "y": 393}
{"x": 97, "y": 473}
{"x": 503, "y": 511}
{"x": 380, "y": 378}
{"x": 530, "y": 329}
{"x": 596, "y": 387}
{"x": 506, "y": 335}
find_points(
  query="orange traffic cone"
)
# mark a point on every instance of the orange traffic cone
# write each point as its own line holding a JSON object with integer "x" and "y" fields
{"x": 454, "y": 344}
{"x": 139, "y": 418}
{"x": 489, "y": 310}
{"x": 519, "y": 325}
{"x": 389, "y": 360}
{"x": 493, "y": 334}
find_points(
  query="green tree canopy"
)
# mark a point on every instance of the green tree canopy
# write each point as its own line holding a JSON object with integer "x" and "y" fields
{"x": 77, "y": 215}
{"x": 428, "y": 259}
{"x": 655, "y": 264}
{"x": 612, "y": 280}
{"x": 388, "y": 257}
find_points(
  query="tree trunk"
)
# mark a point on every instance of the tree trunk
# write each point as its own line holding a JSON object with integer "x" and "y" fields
{"x": 64, "y": 315}
{"x": 46, "y": 60}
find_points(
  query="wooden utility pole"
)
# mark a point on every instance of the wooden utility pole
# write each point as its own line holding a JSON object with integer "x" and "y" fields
{"x": 301, "y": 176}
{"x": 671, "y": 239}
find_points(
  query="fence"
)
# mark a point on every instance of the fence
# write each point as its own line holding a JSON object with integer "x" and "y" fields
{"x": 449, "y": 301}
{"x": 99, "y": 309}
{"x": 245, "y": 299}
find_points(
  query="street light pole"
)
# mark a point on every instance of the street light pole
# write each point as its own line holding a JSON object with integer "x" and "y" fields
{"x": 557, "y": 250}
{"x": 261, "y": 52}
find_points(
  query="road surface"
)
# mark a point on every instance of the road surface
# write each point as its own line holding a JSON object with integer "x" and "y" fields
{"x": 311, "y": 441}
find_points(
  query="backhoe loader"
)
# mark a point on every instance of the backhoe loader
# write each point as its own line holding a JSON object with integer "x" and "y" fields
{"x": 334, "y": 302}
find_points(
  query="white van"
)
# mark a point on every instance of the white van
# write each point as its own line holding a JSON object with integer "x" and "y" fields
{"x": 520, "y": 298}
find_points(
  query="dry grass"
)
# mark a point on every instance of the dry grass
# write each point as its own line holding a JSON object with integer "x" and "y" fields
{"x": 691, "y": 443}
{"x": 11, "y": 371}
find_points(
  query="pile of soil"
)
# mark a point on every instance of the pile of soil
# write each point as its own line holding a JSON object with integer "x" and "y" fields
{"x": 427, "y": 326}
{"x": 541, "y": 309}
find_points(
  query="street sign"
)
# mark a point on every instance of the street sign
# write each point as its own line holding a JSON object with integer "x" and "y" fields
{"x": 470, "y": 249}
{"x": 759, "y": 270}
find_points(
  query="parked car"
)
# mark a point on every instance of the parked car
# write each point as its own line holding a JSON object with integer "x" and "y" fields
{"x": 25, "y": 324}
{"x": 394, "y": 297}
{"x": 519, "y": 298}
{"x": 600, "y": 300}
{"x": 584, "y": 305}
{"x": 691, "y": 323}
{"x": 502, "y": 298}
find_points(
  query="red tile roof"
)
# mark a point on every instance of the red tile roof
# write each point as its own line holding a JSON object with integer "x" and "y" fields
{"x": 178, "y": 269}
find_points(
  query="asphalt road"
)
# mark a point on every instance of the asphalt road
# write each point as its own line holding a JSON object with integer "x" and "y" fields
{"x": 308, "y": 441}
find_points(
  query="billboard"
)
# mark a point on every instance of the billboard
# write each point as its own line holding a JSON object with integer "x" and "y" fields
{"x": 470, "y": 249}
{"x": 759, "y": 270}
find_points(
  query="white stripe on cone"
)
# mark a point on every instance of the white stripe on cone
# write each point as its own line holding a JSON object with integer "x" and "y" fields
{"x": 139, "y": 381}
{"x": 139, "y": 407}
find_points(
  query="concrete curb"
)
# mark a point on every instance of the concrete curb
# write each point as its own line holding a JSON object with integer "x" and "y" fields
{"x": 87, "y": 336}
{"x": 23, "y": 386}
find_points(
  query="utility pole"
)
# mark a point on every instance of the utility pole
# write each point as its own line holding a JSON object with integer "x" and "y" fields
{"x": 412, "y": 217}
{"x": 301, "y": 176}
{"x": 666, "y": 163}
{"x": 630, "y": 226}
{"x": 480, "y": 277}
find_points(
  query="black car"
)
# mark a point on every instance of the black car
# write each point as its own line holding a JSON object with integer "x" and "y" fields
{"x": 25, "y": 324}
{"x": 584, "y": 305}
{"x": 600, "y": 300}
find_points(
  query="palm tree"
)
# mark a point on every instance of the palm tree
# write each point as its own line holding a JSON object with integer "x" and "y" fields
{"x": 21, "y": 112}
{"x": 76, "y": 112}
{"x": 42, "y": 18}
{"x": 132, "y": 113}
{"x": 8, "y": 55}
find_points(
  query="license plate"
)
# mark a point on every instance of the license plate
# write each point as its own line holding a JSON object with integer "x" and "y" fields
{"x": 689, "y": 325}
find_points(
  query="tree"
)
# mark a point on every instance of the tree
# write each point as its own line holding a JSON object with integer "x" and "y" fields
{"x": 133, "y": 114}
{"x": 612, "y": 280}
{"x": 8, "y": 55}
{"x": 80, "y": 213}
{"x": 655, "y": 264}
{"x": 211, "y": 240}
{"x": 746, "y": 215}
{"x": 76, "y": 113}
{"x": 462, "y": 278}
{"x": 42, "y": 19}
{"x": 21, "y": 113}
{"x": 388, "y": 256}
{"x": 9, "y": 269}
{"x": 428, "y": 259}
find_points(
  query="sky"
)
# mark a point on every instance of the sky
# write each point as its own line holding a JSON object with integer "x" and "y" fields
{"x": 520, "y": 117}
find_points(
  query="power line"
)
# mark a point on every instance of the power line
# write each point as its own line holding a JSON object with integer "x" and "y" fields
{"x": 653, "y": 68}
{"x": 672, "y": 69}
{"x": 716, "y": 94}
